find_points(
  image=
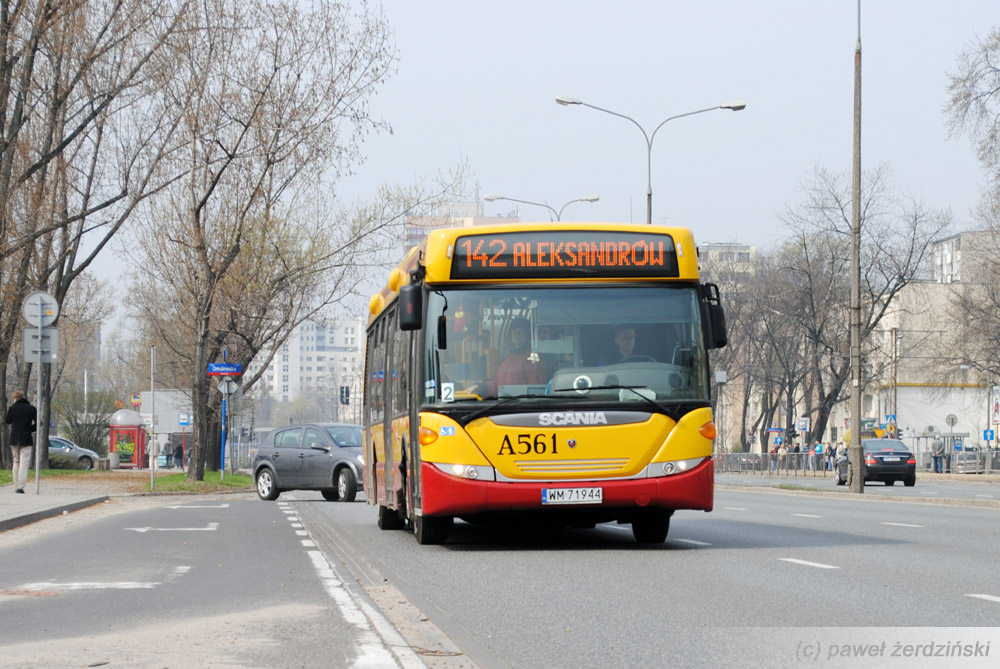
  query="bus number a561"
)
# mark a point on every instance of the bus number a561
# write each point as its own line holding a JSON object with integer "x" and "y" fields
{"x": 539, "y": 444}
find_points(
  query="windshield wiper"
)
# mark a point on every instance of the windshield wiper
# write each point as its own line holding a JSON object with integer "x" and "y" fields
{"x": 505, "y": 400}
{"x": 633, "y": 389}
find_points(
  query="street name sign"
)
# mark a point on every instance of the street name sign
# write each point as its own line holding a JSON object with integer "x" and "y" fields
{"x": 225, "y": 368}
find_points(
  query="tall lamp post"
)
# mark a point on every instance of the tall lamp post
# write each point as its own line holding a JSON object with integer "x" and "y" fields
{"x": 557, "y": 214}
{"x": 734, "y": 106}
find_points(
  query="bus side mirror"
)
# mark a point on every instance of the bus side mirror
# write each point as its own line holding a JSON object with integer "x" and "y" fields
{"x": 411, "y": 307}
{"x": 718, "y": 337}
{"x": 717, "y": 316}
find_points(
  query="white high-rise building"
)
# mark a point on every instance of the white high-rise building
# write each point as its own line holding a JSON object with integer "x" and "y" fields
{"x": 317, "y": 360}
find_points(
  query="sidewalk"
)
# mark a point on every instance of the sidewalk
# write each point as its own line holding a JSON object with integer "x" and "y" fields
{"x": 65, "y": 493}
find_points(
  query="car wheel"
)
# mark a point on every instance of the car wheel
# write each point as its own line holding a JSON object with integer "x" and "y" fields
{"x": 86, "y": 463}
{"x": 347, "y": 485}
{"x": 267, "y": 489}
{"x": 431, "y": 529}
{"x": 910, "y": 481}
{"x": 651, "y": 526}
{"x": 389, "y": 519}
{"x": 330, "y": 495}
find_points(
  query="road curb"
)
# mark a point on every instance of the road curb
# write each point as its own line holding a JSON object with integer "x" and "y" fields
{"x": 42, "y": 514}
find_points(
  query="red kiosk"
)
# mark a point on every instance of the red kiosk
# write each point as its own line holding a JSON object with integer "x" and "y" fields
{"x": 128, "y": 439}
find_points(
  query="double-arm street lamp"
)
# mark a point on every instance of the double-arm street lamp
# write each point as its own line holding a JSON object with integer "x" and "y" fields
{"x": 734, "y": 106}
{"x": 558, "y": 214}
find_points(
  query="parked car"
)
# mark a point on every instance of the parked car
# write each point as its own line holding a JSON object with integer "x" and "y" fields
{"x": 64, "y": 453}
{"x": 886, "y": 460}
{"x": 967, "y": 462}
{"x": 317, "y": 456}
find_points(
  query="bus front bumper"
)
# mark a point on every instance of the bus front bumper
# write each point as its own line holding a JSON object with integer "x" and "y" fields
{"x": 446, "y": 495}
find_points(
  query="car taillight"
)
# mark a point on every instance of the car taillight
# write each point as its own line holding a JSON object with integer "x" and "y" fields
{"x": 870, "y": 460}
{"x": 911, "y": 461}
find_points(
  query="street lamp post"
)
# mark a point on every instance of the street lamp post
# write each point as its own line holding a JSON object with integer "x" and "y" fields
{"x": 734, "y": 106}
{"x": 557, "y": 214}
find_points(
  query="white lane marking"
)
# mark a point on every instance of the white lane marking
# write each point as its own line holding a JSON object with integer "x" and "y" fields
{"x": 372, "y": 652}
{"x": 806, "y": 515}
{"x": 735, "y": 508}
{"x": 298, "y": 525}
{"x": 988, "y": 598}
{"x": 693, "y": 542}
{"x": 901, "y": 524}
{"x": 301, "y": 533}
{"x": 215, "y": 506}
{"x": 211, "y": 528}
{"x": 818, "y": 565}
{"x": 288, "y": 512}
{"x": 293, "y": 519}
{"x": 106, "y": 585}
{"x": 990, "y": 496}
{"x": 309, "y": 543}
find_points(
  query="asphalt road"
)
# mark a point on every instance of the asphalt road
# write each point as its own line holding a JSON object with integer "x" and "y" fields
{"x": 767, "y": 571}
{"x": 770, "y": 578}
{"x": 178, "y": 582}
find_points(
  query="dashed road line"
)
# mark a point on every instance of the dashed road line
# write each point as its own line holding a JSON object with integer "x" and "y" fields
{"x": 693, "y": 542}
{"x": 901, "y": 524}
{"x": 806, "y": 515}
{"x": 735, "y": 508}
{"x": 806, "y": 563}
{"x": 988, "y": 598}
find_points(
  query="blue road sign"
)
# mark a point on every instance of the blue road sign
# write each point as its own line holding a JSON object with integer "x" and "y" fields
{"x": 988, "y": 435}
{"x": 225, "y": 368}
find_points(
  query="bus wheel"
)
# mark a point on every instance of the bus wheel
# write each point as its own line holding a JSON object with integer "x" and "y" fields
{"x": 650, "y": 526}
{"x": 431, "y": 529}
{"x": 389, "y": 519}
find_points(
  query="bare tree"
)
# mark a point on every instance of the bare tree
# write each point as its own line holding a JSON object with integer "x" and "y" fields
{"x": 974, "y": 105}
{"x": 896, "y": 236}
{"x": 77, "y": 141}
{"x": 271, "y": 95}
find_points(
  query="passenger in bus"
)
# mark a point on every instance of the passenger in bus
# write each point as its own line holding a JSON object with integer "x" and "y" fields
{"x": 519, "y": 367}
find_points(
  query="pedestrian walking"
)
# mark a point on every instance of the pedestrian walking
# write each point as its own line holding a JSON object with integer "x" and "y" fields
{"x": 819, "y": 456}
{"x": 782, "y": 457}
{"x": 179, "y": 455}
{"x": 168, "y": 449}
{"x": 22, "y": 418}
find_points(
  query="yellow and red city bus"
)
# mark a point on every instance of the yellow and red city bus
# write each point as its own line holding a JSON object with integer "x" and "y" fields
{"x": 596, "y": 434}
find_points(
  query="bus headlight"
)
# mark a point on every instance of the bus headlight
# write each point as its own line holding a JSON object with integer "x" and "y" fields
{"x": 470, "y": 472}
{"x": 680, "y": 466}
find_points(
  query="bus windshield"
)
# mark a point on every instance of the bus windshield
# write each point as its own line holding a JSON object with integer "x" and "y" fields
{"x": 605, "y": 344}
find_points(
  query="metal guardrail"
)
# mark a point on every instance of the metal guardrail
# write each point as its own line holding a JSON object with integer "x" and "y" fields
{"x": 804, "y": 464}
{"x": 793, "y": 464}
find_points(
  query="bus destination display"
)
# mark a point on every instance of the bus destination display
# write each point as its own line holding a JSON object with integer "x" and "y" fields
{"x": 563, "y": 254}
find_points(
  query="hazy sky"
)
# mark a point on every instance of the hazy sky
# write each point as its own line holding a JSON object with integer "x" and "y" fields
{"x": 477, "y": 81}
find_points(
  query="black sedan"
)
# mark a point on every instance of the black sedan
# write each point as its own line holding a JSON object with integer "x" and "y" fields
{"x": 64, "y": 453}
{"x": 319, "y": 456}
{"x": 886, "y": 460}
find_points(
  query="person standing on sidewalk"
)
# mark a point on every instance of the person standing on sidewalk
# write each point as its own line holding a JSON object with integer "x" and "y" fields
{"x": 937, "y": 454}
{"x": 22, "y": 418}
